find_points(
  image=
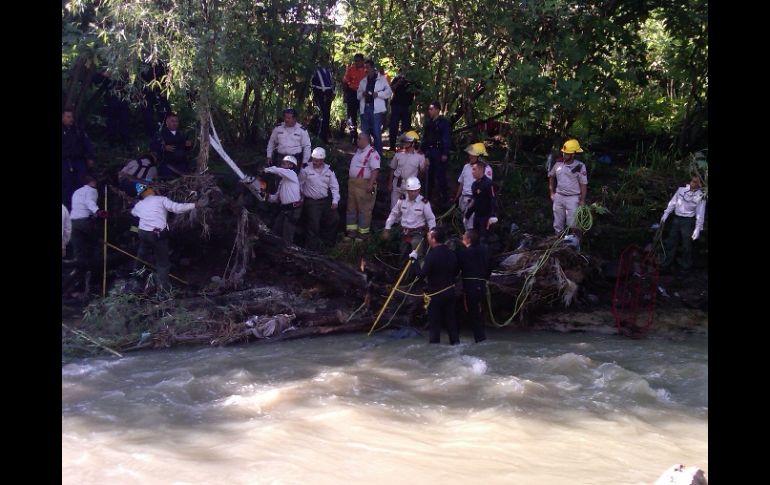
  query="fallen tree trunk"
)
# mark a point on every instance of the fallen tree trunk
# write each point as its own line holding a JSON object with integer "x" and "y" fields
{"x": 323, "y": 324}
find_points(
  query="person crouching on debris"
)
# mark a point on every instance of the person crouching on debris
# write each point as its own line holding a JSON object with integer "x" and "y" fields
{"x": 414, "y": 213}
{"x": 689, "y": 207}
{"x": 143, "y": 168}
{"x": 567, "y": 183}
{"x": 289, "y": 197}
{"x": 152, "y": 212}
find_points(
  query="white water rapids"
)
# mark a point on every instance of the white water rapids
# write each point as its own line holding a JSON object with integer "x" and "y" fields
{"x": 521, "y": 408}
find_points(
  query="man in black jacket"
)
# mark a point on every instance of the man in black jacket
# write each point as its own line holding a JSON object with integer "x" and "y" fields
{"x": 436, "y": 144}
{"x": 484, "y": 204}
{"x": 475, "y": 268}
{"x": 440, "y": 269}
{"x": 400, "y": 106}
{"x": 171, "y": 147}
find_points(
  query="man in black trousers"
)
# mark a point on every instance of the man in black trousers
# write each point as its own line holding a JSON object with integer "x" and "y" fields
{"x": 483, "y": 207}
{"x": 475, "y": 268}
{"x": 440, "y": 269}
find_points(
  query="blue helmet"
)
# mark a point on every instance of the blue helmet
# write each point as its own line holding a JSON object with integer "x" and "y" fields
{"x": 142, "y": 186}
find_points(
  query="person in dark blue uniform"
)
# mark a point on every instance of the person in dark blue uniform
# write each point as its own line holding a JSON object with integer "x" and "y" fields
{"x": 484, "y": 204}
{"x": 436, "y": 144}
{"x": 475, "y": 270}
{"x": 77, "y": 157}
{"x": 400, "y": 106}
{"x": 171, "y": 147}
{"x": 440, "y": 269}
{"x": 322, "y": 83}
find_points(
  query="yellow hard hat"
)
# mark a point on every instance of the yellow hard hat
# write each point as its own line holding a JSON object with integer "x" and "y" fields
{"x": 477, "y": 150}
{"x": 410, "y": 136}
{"x": 571, "y": 146}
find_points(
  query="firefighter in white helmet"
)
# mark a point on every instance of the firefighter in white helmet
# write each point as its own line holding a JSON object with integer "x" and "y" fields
{"x": 289, "y": 197}
{"x": 414, "y": 213}
{"x": 320, "y": 198}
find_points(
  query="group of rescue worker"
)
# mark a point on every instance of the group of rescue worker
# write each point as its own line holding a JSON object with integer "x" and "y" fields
{"x": 308, "y": 195}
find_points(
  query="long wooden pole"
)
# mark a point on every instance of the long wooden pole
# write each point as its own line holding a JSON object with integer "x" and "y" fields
{"x": 143, "y": 262}
{"x": 104, "y": 249}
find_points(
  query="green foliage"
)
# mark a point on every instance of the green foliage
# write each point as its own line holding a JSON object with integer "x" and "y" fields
{"x": 603, "y": 71}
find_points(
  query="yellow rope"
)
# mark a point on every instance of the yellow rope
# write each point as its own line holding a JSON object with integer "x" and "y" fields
{"x": 426, "y": 296}
{"x": 393, "y": 291}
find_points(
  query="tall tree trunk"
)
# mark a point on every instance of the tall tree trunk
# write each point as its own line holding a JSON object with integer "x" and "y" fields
{"x": 243, "y": 117}
{"x": 255, "y": 114}
{"x": 204, "y": 113}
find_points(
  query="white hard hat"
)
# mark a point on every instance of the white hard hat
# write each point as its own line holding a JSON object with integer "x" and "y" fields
{"x": 290, "y": 159}
{"x": 318, "y": 152}
{"x": 412, "y": 183}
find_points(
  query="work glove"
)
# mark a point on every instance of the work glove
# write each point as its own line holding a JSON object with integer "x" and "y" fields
{"x": 102, "y": 214}
{"x": 695, "y": 234}
{"x": 493, "y": 220}
{"x": 413, "y": 255}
